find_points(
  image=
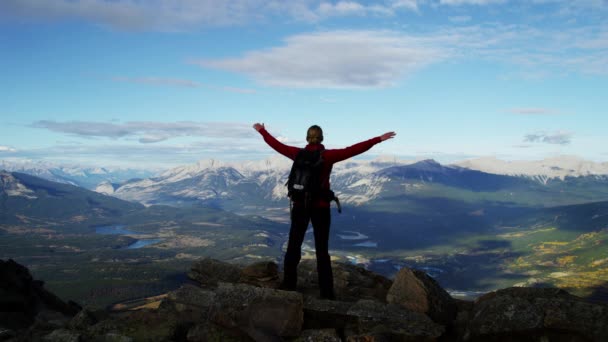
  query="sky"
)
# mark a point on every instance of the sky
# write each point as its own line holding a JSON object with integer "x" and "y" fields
{"x": 163, "y": 83}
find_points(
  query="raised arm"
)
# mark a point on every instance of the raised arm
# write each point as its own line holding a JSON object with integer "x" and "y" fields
{"x": 286, "y": 150}
{"x": 338, "y": 155}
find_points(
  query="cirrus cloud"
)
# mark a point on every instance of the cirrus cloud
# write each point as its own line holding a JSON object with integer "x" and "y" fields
{"x": 556, "y": 138}
{"x": 176, "y": 15}
{"x": 148, "y": 131}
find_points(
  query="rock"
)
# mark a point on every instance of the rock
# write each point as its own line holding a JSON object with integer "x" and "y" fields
{"x": 263, "y": 274}
{"x": 6, "y": 334}
{"x": 208, "y": 331}
{"x": 83, "y": 320}
{"x": 416, "y": 291}
{"x": 208, "y": 272}
{"x": 22, "y": 298}
{"x": 322, "y": 335}
{"x": 321, "y": 313}
{"x": 149, "y": 325}
{"x": 189, "y": 304}
{"x": 351, "y": 282}
{"x": 50, "y": 320}
{"x": 539, "y": 312}
{"x": 254, "y": 309}
{"x": 392, "y": 321}
{"x": 417, "y": 310}
{"x": 115, "y": 337}
{"x": 63, "y": 335}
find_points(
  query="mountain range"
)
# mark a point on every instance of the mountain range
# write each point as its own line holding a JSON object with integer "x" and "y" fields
{"x": 247, "y": 187}
{"x": 86, "y": 177}
{"x": 472, "y": 230}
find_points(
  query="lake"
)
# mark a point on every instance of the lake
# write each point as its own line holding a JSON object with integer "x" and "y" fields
{"x": 121, "y": 230}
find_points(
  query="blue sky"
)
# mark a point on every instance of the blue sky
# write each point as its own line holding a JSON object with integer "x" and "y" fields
{"x": 161, "y": 83}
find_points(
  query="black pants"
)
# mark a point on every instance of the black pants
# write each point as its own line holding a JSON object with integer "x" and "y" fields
{"x": 321, "y": 221}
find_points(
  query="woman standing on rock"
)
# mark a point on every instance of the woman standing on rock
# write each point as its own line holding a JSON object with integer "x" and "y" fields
{"x": 317, "y": 211}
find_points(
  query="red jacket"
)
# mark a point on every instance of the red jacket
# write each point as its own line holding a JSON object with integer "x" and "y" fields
{"x": 330, "y": 157}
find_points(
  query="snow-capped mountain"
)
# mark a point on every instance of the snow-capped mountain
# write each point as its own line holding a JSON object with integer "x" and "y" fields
{"x": 541, "y": 170}
{"x": 11, "y": 186}
{"x": 245, "y": 182}
{"x": 87, "y": 177}
{"x": 240, "y": 186}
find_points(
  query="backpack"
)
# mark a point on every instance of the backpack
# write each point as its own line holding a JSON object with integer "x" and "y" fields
{"x": 304, "y": 182}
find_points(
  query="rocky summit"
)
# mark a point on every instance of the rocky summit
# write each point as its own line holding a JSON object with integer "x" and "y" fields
{"x": 225, "y": 302}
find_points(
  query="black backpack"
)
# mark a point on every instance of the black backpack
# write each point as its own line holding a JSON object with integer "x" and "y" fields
{"x": 304, "y": 181}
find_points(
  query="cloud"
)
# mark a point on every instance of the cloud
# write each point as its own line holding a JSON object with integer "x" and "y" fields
{"x": 7, "y": 149}
{"x": 174, "y": 15}
{"x": 382, "y": 58}
{"x": 557, "y": 138}
{"x": 176, "y": 82}
{"x": 349, "y": 59}
{"x": 148, "y": 131}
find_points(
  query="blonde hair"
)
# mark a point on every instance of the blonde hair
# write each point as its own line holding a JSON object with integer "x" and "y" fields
{"x": 314, "y": 135}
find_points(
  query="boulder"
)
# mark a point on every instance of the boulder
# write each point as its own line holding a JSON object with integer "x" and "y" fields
{"x": 189, "y": 303}
{"x": 209, "y": 272}
{"x": 351, "y": 282}
{"x": 391, "y": 321}
{"x": 545, "y": 313}
{"x": 322, "y": 335}
{"x": 262, "y": 274}
{"x": 208, "y": 331}
{"x": 115, "y": 337}
{"x": 258, "y": 310}
{"x": 417, "y": 291}
{"x": 63, "y": 335}
{"x": 322, "y": 313}
{"x": 83, "y": 320}
{"x": 22, "y": 298}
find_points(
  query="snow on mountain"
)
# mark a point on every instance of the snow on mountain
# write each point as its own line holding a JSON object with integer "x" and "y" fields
{"x": 12, "y": 187}
{"x": 87, "y": 177}
{"x": 106, "y": 188}
{"x": 212, "y": 179}
{"x": 541, "y": 170}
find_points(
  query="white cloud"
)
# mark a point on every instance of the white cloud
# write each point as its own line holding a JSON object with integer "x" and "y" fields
{"x": 556, "y": 138}
{"x": 342, "y": 8}
{"x": 339, "y": 59}
{"x": 372, "y": 59}
{"x": 7, "y": 149}
{"x": 408, "y": 4}
{"x": 148, "y": 131}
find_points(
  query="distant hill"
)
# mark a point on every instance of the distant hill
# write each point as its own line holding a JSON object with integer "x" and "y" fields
{"x": 25, "y": 198}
